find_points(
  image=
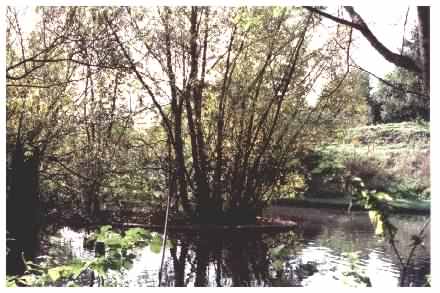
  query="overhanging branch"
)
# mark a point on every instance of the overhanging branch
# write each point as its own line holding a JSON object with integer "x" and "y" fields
{"x": 358, "y": 23}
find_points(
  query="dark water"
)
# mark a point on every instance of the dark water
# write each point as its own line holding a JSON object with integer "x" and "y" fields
{"x": 330, "y": 248}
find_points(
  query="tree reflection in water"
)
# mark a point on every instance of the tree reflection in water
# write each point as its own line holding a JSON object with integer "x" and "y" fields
{"x": 317, "y": 253}
{"x": 231, "y": 259}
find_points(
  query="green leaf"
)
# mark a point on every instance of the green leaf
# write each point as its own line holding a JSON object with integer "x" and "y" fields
{"x": 276, "y": 251}
{"x": 114, "y": 264}
{"x": 156, "y": 243}
{"x": 136, "y": 232}
{"x": 278, "y": 264}
{"x": 99, "y": 267}
{"x": 77, "y": 268}
{"x": 377, "y": 222}
{"x": 27, "y": 280}
{"x": 114, "y": 243}
{"x": 384, "y": 196}
{"x": 11, "y": 281}
{"x": 55, "y": 273}
{"x": 104, "y": 229}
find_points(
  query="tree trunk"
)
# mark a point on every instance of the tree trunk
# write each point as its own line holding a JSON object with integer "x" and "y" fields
{"x": 23, "y": 204}
{"x": 423, "y": 14}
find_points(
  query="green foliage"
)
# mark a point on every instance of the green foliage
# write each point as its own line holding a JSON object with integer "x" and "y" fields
{"x": 379, "y": 211}
{"x": 156, "y": 244}
{"x": 37, "y": 275}
{"x": 390, "y": 158}
{"x": 377, "y": 205}
{"x": 398, "y": 106}
{"x": 120, "y": 251}
{"x": 395, "y": 103}
{"x": 328, "y": 164}
{"x": 292, "y": 185}
{"x": 230, "y": 139}
{"x": 353, "y": 94}
{"x": 131, "y": 238}
{"x": 278, "y": 255}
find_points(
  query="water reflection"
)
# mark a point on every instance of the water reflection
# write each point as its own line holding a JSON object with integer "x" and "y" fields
{"x": 217, "y": 259}
{"x": 333, "y": 250}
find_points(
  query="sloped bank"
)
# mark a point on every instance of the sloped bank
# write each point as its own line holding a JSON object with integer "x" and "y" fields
{"x": 404, "y": 206}
{"x": 390, "y": 158}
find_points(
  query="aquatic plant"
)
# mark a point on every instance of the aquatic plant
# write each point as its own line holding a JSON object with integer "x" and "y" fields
{"x": 114, "y": 251}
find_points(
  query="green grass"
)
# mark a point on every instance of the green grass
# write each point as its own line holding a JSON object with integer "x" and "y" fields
{"x": 399, "y": 205}
{"x": 381, "y": 141}
{"x": 392, "y": 158}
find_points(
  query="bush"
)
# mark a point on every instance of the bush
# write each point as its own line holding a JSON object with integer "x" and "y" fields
{"x": 398, "y": 174}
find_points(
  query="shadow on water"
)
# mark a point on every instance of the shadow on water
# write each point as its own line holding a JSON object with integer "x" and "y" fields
{"x": 221, "y": 259}
{"x": 330, "y": 248}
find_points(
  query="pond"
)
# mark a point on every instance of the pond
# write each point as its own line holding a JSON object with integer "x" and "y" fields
{"x": 329, "y": 248}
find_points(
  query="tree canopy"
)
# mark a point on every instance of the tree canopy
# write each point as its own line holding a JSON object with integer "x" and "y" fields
{"x": 211, "y": 106}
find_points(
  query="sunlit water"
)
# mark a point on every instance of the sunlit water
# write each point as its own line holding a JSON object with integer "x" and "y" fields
{"x": 323, "y": 252}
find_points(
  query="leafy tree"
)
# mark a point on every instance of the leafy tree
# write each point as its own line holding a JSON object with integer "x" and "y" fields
{"x": 38, "y": 117}
{"x": 227, "y": 88}
{"x": 237, "y": 104}
{"x": 67, "y": 127}
{"x": 404, "y": 101}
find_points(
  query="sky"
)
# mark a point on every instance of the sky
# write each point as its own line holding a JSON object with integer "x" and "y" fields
{"x": 386, "y": 23}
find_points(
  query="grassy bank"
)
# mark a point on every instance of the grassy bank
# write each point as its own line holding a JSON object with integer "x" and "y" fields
{"x": 404, "y": 206}
{"x": 391, "y": 158}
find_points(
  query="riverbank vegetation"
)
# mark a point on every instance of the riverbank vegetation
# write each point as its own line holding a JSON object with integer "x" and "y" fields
{"x": 392, "y": 158}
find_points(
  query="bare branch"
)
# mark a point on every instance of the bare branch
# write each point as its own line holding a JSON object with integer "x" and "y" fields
{"x": 358, "y": 23}
{"x": 404, "y": 30}
{"x": 139, "y": 77}
{"x": 397, "y": 86}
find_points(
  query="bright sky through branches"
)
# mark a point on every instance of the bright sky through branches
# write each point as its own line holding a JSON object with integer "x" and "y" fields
{"x": 387, "y": 23}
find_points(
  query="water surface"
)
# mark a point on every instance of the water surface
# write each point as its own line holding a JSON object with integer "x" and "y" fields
{"x": 330, "y": 248}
